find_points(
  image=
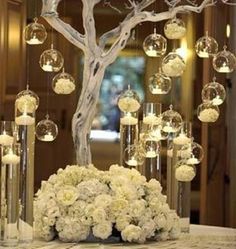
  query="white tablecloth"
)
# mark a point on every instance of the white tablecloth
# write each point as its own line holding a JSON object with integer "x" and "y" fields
{"x": 200, "y": 237}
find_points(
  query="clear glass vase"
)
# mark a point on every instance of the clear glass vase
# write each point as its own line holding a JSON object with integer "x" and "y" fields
{"x": 9, "y": 211}
{"x": 128, "y": 134}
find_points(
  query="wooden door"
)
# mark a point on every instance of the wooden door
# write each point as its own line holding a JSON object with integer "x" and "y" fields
{"x": 12, "y": 54}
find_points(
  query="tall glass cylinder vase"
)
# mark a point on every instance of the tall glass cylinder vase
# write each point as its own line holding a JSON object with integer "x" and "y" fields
{"x": 9, "y": 197}
{"x": 151, "y": 119}
{"x": 128, "y": 135}
{"x": 183, "y": 205}
{"x": 25, "y": 119}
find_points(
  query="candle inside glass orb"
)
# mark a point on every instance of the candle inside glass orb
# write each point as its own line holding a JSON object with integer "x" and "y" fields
{"x": 5, "y": 139}
{"x": 24, "y": 119}
{"x": 10, "y": 158}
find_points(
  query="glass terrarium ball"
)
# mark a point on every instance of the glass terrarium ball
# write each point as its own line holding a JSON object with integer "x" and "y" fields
{"x": 206, "y": 46}
{"x": 171, "y": 121}
{"x": 35, "y": 33}
{"x": 224, "y": 61}
{"x": 174, "y": 28}
{"x": 192, "y": 153}
{"x": 46, "y": 130}
{"x": 63, "y": 83}
{"x": 207, "y": 112}
{"x": 213, "y": 92}
{"x": 173, "y": 65}
{"x": 159, "y": 83}
{"x": 151, "y": 149}
{"x": 155, "y": 45}
{"x": 27, "y": 101}
{"x": 51, "y": 60}
{"x": 134, "y": 155}
{"x": 129, "y": 101}
{"x": 184, "y": 172}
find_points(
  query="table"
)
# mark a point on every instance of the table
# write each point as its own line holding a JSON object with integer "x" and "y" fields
{"x": 200, "y": 237}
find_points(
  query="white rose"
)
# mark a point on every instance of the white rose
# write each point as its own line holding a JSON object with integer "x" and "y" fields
{"x": 103, "y": 200}
{"x": 137, "y": 208}
{"x": 131, "y": 233}
{"x": 122, "y": 222}
{"x": 160, "y": 221}
{"x": 67, "y": 196}
{"x": 118, "y": 206}
{"x": 99, "y": 215}
{"x": 102, "y": 230}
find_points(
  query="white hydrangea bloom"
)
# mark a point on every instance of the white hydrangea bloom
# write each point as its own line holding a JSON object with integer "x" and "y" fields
{"x": 208, "y": 115}
{"x": 64, "y": 86}
{"x": 26, "y": 103}
{"x": 103, "y": 230}
{"x": 131, "y": 233}
{"x": 128, "y": 104}
{"x": 67, "y": 196}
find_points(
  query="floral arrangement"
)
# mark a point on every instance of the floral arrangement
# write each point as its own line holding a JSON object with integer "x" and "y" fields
{"x": 78, "y": 203}
{"x": 185, "y": 173}
{"x": 128, "y": 104}
{"x": 64, "y": 86}
{"x": 26, "y": 103}
{"x": 208, "y": 115}
{"x": 174, "y": 31}
{"x": 174, "y": 67}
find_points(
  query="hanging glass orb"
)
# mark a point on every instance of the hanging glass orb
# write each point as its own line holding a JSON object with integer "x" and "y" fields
{"x": 129, "y": 101}
{"x": 63, "y": 83}
{"x": 157, "y": 134}
{"x": 51, "y": 60}
{"x": 134, "y": 155}
{"x": 35, "y": 33}
{"x": 174, "y": 28}
{"x": 171, "y": 121}
{"x": 27, "y": 101}
{"x": 46, "y": 130}
{"x": 151, "y": 149}
{"x": 173, "y": 65}
{"x": 213, "y": 92}
{"x": 159, "y": 83}
{"x": 224, "y": 61}
{"x": 206, "y": 46}
{"x": 155, "y": 45}
{"x": 184, "y": 172}
{"x": 207, "y": 112}
{"x": 192, "y": 153}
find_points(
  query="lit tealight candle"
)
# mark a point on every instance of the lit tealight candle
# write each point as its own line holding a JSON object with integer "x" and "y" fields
{"x": 151, "y": 119}
{"x": 128, "y": 120}
{"x": 167, "y": 128}
{"x": 47, "y": 67}
{"x": 157, "y": 90}
{"x": 151, "y": 154}
{"x": 203, "y": 54}
{"x": 24, "y": 119}
{"x": 34, "y": 41}
{"x": 224, "y": 68}
{"x": 5, "y": 139}
{"x": 193, "y": 160}
{"x": 10, "y": 158}
{"x": 181, "y": 139}
{"x": 48, "y": 137}
{"x": 132, "y": 162}
{"x": 151, "y": 52}
{"x": 217, "y": 100}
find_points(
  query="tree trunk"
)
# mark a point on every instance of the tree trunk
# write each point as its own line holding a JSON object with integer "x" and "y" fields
{"x": 86, "y": 110}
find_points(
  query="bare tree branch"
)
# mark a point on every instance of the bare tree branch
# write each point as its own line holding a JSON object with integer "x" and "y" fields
{"x": 49, "y": 13}
{"x": 89, "y": 26}
{"x": 144, "y": 16}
